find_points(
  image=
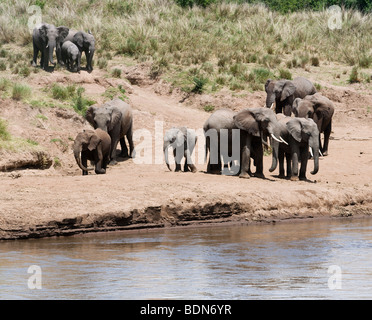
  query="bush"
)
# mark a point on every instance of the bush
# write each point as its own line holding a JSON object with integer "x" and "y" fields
{"x": 285, "y": 74}
{"x": 59, "y": 92}
{"x": 116, "y": 73}
{"x": 199, "y": 83}
{"x": 2, "y": 66}
{"x": 315, "y": 61}
{"x": 81, "y": 104}
{"x": 191, "y": 3}
{"x": 20, "y": 91}
{"x": 4, "y": 134}
{"x": 354, "y": 77}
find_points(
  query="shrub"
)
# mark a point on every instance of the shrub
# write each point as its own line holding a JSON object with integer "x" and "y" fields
{"x": 81, "y": 104}
{"x": 354, "y": 77}
{"x": 285, "y": 74}
{"x": 116, "y": 73}
{"x": 59, "y": 92}
{"x": 2, "y": 66}
{"x": 315, "y": 61}
{"x": 199, "y": 83}
{"x": 4, "y": 134}
{"x": 20, "y": 91}
{"x": 24, "y": 71}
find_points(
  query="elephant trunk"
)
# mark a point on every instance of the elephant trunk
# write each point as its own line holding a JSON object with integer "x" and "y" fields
{"x": 270, "y": 99}
{"x": 314, "y": 145}
{"x": 275, "y": 152}
{"x": 166, "y": 146}
{"x": 51, "y": 46}
{"x": 77, "y": 151}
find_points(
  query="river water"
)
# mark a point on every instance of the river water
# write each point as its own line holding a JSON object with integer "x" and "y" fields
{"x": 327, "y": 259}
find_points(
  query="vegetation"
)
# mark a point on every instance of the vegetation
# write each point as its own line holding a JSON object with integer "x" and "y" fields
{"x": 20, "y": 91}
{"x": 4, "y": 134}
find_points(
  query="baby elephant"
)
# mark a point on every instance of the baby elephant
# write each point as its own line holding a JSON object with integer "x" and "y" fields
{"x": 71, "y": 56}
{"x": 182, "y": 141}
{"x": 93, "y": 145}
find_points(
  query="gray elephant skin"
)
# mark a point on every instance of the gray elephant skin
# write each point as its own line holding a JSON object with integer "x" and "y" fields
{"x": 182, "y": 140}
{"x": 221, "y": 122}
{"x": 255, "y": 125}
{"x": 321, "y": 110}
{"x": 116, "y": 118}
{"x": 284, "y": 92}
{"x": 303, "y": 135}
{"x": 71, "y": 56}
{"x": 93, "y": 145}
{"x": 86, "y": 43}
{"x": 46, "y": 38}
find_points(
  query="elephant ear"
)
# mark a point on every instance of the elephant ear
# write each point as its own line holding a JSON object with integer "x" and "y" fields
{"x": 295, "y": 105}
{"x": 115, "y": 118}
{"x": 79, "y": 39}
{"x": 267, "y": 84}
{"x": 89, "y": 115}
{"x": 181, "y": 137}
{"x": 245, "y": 120}
{"x": 62, "y": 33}
{"x": 43, "y": 32}
{"x": 288, "y": 89}
{"x": 294, "y": 127}
{"x": 93, "y": 142}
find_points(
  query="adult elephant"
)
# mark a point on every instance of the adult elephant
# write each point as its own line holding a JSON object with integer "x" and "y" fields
{"x": 85, "y": 42}
{"x": 92, "y": 145}
{"x": 116, "y": 118}
{"x": 282, "y": 150}
{"x": 284, "y": 92}
{"x": 219, "y": 137}
{"x": 303, "y": 136}
{"x": 321, "y": 110}
{"x": 255, "y": 125}
{"x": 46, "y": 38}
{"x": 182, "y": 140}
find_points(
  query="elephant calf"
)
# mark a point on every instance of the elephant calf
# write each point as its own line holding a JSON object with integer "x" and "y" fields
{"x": 183, "y": 141}
{"x": 71, "y": 56}
{"x": 93, "y": 145}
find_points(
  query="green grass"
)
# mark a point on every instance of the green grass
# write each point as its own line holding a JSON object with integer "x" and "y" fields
{"x": 4, "y": 134}
{"x": 20, "y": 91}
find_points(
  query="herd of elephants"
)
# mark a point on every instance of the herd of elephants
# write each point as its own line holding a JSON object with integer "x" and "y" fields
{"x": 293, "y": 119}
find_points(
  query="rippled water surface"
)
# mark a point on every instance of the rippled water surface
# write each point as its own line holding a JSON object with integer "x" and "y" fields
{"x": 282, "y": 261}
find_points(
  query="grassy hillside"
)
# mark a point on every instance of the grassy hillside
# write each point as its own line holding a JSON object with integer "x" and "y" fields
{"x": 224, "y": 44}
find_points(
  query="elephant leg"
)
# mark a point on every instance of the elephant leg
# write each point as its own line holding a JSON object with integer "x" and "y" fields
{"x": 124, "y": 149}
{"x": 304, "y": 159}
{"x": 36, "y": 52}
{"x": 295, "y": 155}
{"x": 99, "y": 161}
{"x": 114, "y": 143}
{"x": 188, "y": 162}
{"x": 259, "y": 161}
{"x": 289, "y": 164}
{"x": 84, "y": 162}
{"x": 177, "y": 160}
{"x": 130, "y": 142}
{"x": 281, "y": 163}
{"x": 246, "y": 163}
{"x": 327, "y": 134}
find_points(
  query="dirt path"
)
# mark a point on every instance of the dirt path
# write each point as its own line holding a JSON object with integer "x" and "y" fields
{"x": 36, "y": 203}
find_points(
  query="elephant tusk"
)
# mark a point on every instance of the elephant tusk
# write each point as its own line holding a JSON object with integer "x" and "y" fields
{"x": 311, "y": 152}
{"x": 272, "y": 106}
{"x": 47, "y": 46}
{"x": 275, "y": 138}
{"x": 321, "y": 154}
{"x": 283, "y": 140}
